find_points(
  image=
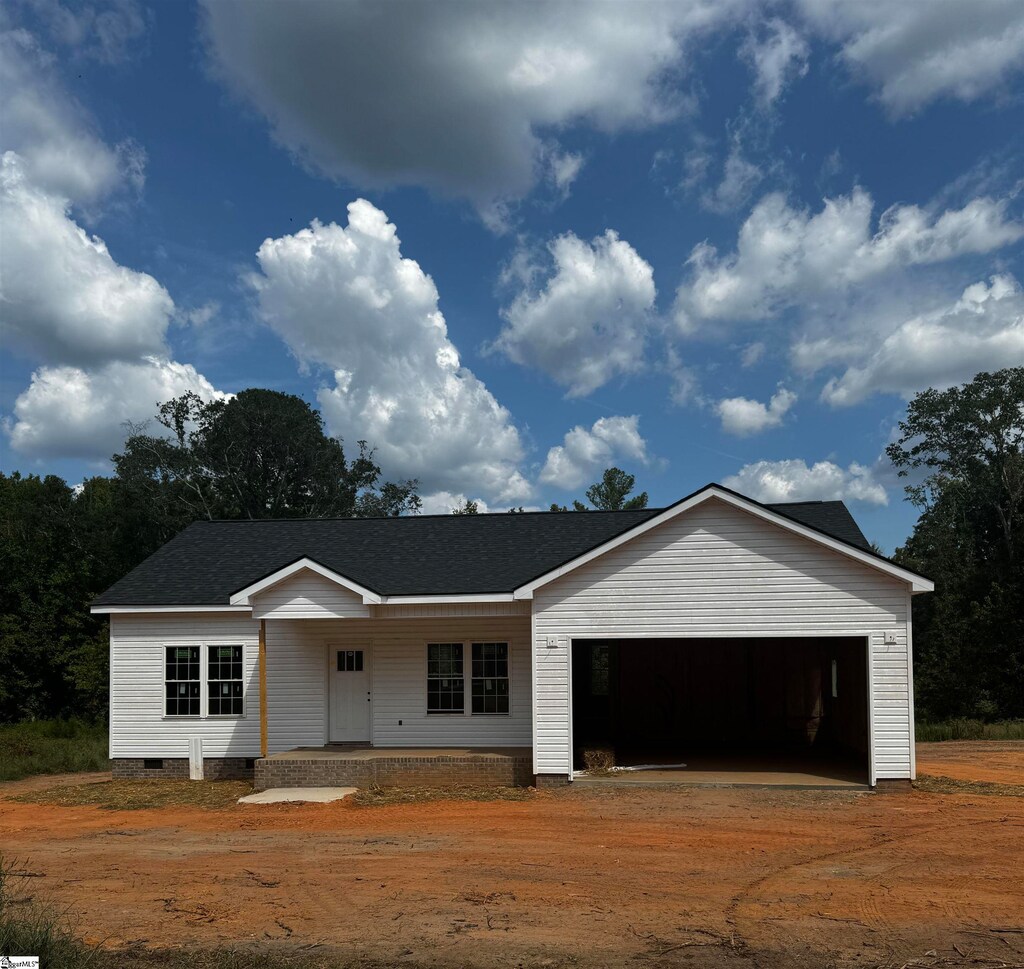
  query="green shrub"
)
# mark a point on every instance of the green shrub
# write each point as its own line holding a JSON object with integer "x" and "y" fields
{"x": 51, "y": 747}
{"x": 963, "y": 728}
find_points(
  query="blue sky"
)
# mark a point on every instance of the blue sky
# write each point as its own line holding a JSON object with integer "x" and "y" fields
{"x": 511, "y": 245}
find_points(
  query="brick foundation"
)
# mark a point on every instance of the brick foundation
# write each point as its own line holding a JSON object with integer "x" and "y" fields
{"x": 478, "y": 770}
{"x": 894, "y": 786}
{"x": 552, "y": 780}
{"x": 176, "y": 768}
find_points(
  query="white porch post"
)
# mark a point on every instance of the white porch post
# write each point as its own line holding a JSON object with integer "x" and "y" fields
{"x": 263, "y": 687}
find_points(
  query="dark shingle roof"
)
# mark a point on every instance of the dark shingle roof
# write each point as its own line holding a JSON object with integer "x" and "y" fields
{"x": 831, "y": 517}
{"x": 418, "y": 555}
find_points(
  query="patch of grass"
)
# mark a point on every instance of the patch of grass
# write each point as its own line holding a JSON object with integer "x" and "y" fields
{"x": 223, "y": 958}
{"x": 379, "y": 796}
{"x": 51, "y": 747}
{"x": 948, "y": 785}
{"x": 963, "y": 728}
{"x": 33, "y": 926}
{"x": 29, "y": 926}
{"x": 136, "y": 795}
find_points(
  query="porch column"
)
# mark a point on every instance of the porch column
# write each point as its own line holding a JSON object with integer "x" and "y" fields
{"x": 263, "y": 687}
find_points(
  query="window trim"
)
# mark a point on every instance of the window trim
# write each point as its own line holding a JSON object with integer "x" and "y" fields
{"x": 467, "y": 676}
{"x": 203, "y": 714}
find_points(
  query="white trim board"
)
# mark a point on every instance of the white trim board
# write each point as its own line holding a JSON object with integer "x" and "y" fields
{"x": 916, "y": 582}
{"x": 244, "y": 596}
{"x": 119, "y": 610}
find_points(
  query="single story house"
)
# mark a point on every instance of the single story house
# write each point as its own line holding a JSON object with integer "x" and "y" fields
{"x": 501, "y": 647}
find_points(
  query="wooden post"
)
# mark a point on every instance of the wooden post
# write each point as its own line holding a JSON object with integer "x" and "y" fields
{"x": 263, "y": 687}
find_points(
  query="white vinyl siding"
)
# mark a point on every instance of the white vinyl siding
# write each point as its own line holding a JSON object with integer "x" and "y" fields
{"x": 138, "y": 726}
{"x": 307, "y": 595}
{"x": 296, "y": 690}
{"x": 297, "y": 671}
{"x": 717, "y": 571}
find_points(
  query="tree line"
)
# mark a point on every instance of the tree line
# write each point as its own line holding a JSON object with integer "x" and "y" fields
{"x": 261, "y": 454}
{"x": 264, "y": 454}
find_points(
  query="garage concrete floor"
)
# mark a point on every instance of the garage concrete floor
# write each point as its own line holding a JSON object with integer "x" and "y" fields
{"x": 725, "y": 770}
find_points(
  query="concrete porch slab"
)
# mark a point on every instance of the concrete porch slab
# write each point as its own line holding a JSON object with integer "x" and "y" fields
{"x": 364, "y": 754}
{"x": 281, "y": 795}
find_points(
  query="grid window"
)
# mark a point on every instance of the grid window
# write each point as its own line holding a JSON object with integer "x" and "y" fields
{"x": 224, "y": 681}
{"x": 446, "y": 687}
{"x": 350, "y": 661}
{"x": 181, "y": 681}
{"x": 490, "y": 678}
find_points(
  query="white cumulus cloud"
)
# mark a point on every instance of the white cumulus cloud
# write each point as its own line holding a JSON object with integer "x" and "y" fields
{"x": 55, "y": 136}
{"x": 444, "y": 503}
{"x": 107, "y": 31}
{"x": 913, "y": 52}
{"x": 587, "y": 322}
{"x": 742, "y": 416}
{"x": 982, "y": 330}
{"x": 346, "y": 299}
{"x": 63, "y": 298}
{"x": 793, "y": 480}
{"x": 786, "y": 256}
{"x": 585, "y": 453}
{"x": 776, "y": 58}
{"x": 96, "y": 328}
{"x": 459, "y": 98}
{"x": 71, "y": 412}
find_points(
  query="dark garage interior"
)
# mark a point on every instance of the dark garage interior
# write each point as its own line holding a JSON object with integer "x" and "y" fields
{"x": 775, "y": 705}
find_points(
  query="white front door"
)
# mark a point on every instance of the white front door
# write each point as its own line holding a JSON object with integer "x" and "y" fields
{"x": 350, "y": 695}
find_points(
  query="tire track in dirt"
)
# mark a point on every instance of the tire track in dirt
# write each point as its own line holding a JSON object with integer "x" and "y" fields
{"x": 868, "y": 912}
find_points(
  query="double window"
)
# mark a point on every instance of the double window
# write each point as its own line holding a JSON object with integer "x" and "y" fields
{"x": 446, "y": 678}
{"x": 184, "y": 682}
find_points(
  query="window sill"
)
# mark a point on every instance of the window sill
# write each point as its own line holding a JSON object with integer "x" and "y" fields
{"x": 198, "y": 717}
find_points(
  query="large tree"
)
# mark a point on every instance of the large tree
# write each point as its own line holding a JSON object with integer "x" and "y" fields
{"x": 962, "y": 450}
{"x": 59, "y": 546}
{"x": 259, "y": 454}
{"x": 611, "y": 493}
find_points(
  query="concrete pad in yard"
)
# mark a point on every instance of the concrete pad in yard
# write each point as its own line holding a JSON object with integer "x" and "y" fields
{"x": 279, "y": 795}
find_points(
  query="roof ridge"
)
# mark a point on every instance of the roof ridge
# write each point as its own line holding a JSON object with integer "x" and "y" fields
{"x": 445, "y": 515}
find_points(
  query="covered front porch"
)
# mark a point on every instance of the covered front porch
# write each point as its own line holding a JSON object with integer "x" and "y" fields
{"x": 364, "y": 766}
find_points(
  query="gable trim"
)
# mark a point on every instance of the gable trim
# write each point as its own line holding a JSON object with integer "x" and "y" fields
{"x": 243, "y": 597}
{"x": 917, "y": 583}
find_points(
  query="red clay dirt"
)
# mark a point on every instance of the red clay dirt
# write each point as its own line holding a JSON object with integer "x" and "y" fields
{"x": 992, "y": 761}
{"x": 590, "y": 877}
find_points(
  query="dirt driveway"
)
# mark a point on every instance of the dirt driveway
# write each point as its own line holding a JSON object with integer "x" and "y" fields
{"x": 699, "y": 877}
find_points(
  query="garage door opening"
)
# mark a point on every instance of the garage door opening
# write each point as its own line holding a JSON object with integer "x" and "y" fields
{"x": 758, "y": 710}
